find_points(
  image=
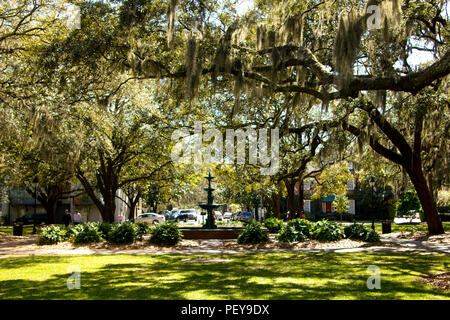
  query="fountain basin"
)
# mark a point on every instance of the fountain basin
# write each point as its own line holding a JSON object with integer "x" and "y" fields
{"x": 219, "y": 233}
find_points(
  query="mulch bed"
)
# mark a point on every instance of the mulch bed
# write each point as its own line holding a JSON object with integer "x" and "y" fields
{"x": 27, "y": 244}
{"x": 211, "y": 244}
{"x": 439, "y": 280}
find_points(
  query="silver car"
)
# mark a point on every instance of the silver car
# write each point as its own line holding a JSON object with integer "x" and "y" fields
{"x": 150, "y": 218}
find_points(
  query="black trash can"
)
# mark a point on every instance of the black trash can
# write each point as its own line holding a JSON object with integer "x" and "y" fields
{"x": 386, "y": 226}
{"x": 18, "y": 230}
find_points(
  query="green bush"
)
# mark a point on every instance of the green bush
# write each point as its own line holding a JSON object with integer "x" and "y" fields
{"x": 52, "y": 235}
{"x": 325, "y": 230}
{"x": 290, "y": 234}
{"x": 372, "y": 236}
{"x": 360, "y": 232}
{"x": 166, "y": 233}
{"x": 123, "y": 233}
{"x": 142, "y": 228}
{"x": 105, "y": 228}
{"x": 409, "y": 201}
{"x": 253, "y": 233}
{"x": 302, "y": 225}
{"x": 310, "y": 216}
{"x": 86, "y": 233}
{"x": 356, "y": 231}
{"x": 269, "y": 214}
{"x": 274, "y": 225}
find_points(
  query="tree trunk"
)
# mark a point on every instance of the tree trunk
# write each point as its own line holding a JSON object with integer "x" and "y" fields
{"x": 48, "y": 200}
{"x": 426, "y": 200}
{"x": 410, "y": 159}
{"x": 108, "y": 208}
{"x": 276, "y": 207}
{"x": 430, "y": 185}
{"x": 290, "y": 187}
{"x": 50, "y": 207}
{"x": 301, "y": 197}
{"x": 132, "y": 210}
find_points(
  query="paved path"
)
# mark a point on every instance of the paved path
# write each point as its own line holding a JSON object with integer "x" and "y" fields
{"x": 413, "y": 245}
{"x": 26, "y": 247}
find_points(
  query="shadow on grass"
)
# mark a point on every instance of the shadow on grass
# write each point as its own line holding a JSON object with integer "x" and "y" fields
{"x": 247, "y": 276}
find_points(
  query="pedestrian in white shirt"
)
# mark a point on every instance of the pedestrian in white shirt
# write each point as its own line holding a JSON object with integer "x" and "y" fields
{"x": 76, "y": 218}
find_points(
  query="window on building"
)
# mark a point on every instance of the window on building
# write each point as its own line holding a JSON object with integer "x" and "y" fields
{"x": 307, "y": 206}
{"x": 351, "y": 206}
{"x": 351, "y": 184}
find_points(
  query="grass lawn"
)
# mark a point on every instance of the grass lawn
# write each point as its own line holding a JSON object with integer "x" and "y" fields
{"x": 9, "y": 230}
{"x": 246, "y": 276}
{"x": 406, "y": 228}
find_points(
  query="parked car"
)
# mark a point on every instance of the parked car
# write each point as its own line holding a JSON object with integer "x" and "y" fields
{"x": 242, "y": 216}
{"x": 165, "y": 213}
{"x": 187, "y": 215}
{"x": 150, "y": 218}
{"x": 218, "y": 215}
{"x": 32, "y": 217}
{"x": 174, "y": 214}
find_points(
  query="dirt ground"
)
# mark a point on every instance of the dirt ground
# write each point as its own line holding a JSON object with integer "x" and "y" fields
{"x": 439, "y": 280}
{"x": 26, "y": 246}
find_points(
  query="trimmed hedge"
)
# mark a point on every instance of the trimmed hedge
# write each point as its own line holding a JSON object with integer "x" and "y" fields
{"x": 127, "y": 232}
{"x": 52, "y": 235}
{"x": 360, "y": 232}
{"x": 86, "y": 233}
{"x": 325, "y": 230}
{"x": 290, "y": 234}
{"x": 123, "y": 233}
{"x": 274, "y": 225}
{"x": 302, "y": 225}
{"x": 253, "y": 233}
{"x": 166, "y": 233}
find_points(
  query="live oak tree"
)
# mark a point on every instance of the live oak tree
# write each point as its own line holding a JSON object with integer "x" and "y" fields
{"x": 314, "y": 48}
{"x": 122, "y": 146}
{"x": 321, "y": 52}
{"x": 404, "y": 134}
{"x": 50, "y": 163}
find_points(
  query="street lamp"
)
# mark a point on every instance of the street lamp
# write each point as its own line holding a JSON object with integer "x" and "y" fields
{"x": 35, "y": 184}
{"x": 372, "y": 184}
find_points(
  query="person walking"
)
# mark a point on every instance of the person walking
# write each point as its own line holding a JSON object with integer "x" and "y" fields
{"x": 76, "y": 218}
{"x": 66, "y": 218}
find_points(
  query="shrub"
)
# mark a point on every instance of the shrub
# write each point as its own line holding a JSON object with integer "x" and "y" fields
{"x": 166, "y": 233}
{"x": 290, "y": 234}
{"x": 123, "y": 233}
{"x": 142, "y": 229}
{"x": 356, "y": 231}
{"x": 51, "y": 235}
{"x": 372, "y": 236}
{"x": 325, "y": 230}
{"x": 86, "y": 233}
{"x": 274, "y": 225}
{"x": 253, "y": 233}
{"x": 302, "y": 225}
{"x": 105, "y": 228}
{"x": 361, "y": 232}
{"x": 310, "y": 216}
{"x": 409, "y": 201}
{"x": 269, "y": 214}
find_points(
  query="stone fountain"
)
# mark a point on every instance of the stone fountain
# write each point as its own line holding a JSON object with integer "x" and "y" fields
{"x": 209, "y": 206}
{"x": 209, "y": 229}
